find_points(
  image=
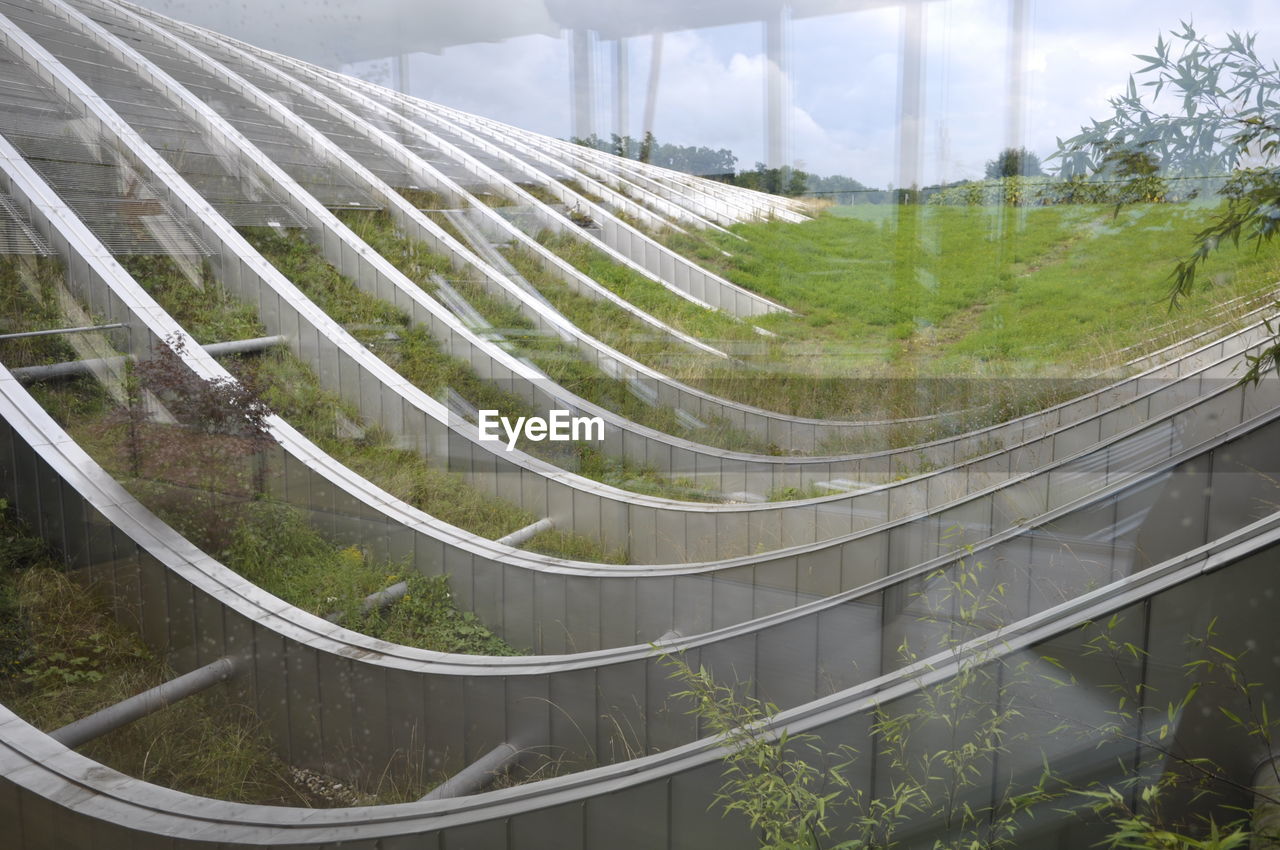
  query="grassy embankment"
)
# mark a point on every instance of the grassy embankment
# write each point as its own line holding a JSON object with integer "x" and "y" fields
{"x": 909, "y": 312}
{"x": 559, "y": 360}
{"x": 316, "y": 576}
{"x": 615, "y": 327}
{"x": 63, "y": 656}
{"x": 954, "y": 291}
{"x": 918, "y": 304}
{"x": 292, "y": 390}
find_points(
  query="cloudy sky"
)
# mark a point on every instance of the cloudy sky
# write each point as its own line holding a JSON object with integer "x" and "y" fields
{"x": 842, "y": 71}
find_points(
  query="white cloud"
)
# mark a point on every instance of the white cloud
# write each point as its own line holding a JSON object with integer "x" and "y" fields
{"x": 704, "y": 99}
{"x": 524, "y": 81}
{"x": 844, "y": 80}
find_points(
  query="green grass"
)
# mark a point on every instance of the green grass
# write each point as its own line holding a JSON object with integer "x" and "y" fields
{"x": 414, "y": 259}
{"x": 67, "y": 400}
{"x": 650, "y": 296}
{"x": 791, "y": 375}
{"x": 978, "y": 283}
{"x": 607, "y": 322}
{"x": 909, "y": 310}
{"x": 869, "y": 394}
{"x": 22, "y": 310}
{"x": 602, "y": 319}
{"x": 874, "y": 283}
{"x": 213, "y": 502}
{"x": 615, "y": 327}
{"x": 417, "y": 356}
{"x": 576, "y": 186}
{"x": 292, "y": 391}
{"x": 63, "y": 656}
{"x": 385, "y": 329}
{"x": 564, "y": 365}
{"x": 276, "y": 549}
{"x": 540, "y": 192}
{"x": 207, "y": 312}
{"x": 425, "y": 199}
{"x": 1110, "y": 294}
{"x": 303, "y": 264}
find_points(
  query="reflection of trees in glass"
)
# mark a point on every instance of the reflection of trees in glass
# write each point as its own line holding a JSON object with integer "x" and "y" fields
{"x": 776, "y": 181}
{"x": 691, "y": 159}
{"x": 719, "y": 164}
{"x": 1227, "y": 124}
{"x": 1014, "y": 162}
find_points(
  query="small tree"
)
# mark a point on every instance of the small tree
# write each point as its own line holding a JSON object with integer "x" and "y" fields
{"x": 1014, "y": 162}
{"x": 219, "y": 425}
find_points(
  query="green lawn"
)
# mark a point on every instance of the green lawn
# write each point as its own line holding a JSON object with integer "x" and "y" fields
{"x": 971, "y": 290}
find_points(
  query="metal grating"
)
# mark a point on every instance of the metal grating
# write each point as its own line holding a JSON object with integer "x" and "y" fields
{"x": 17, "y": 236}
{"x": 116, "y": 204}
{"x": 121, "y": 208}
{"x": 443, "y": 163}
{"x": 174, "y": 136}
{"x": 337, "y": 131}
{"x": 170, "y": 133}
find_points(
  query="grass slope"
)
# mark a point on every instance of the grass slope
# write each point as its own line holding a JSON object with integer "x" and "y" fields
{"x": 981, "y": 289}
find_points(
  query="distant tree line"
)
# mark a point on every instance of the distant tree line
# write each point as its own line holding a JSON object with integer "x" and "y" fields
{"x": 1015, "y": 176}
{"x": 714, "y": 163}
{"x": 722, "y": 164}
{"x": 691, "y": 159}
{"x": 776, "y": 181}
{"x": 845, "y": 190}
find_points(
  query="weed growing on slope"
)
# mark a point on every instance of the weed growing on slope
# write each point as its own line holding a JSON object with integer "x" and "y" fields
{"x": 291, "y": 389}
{"x": 203, "y": 308}
{"x": 650, "y": 296}
{"x": 276, "y": 549}
{"x": 28, "y": 302}
{"x": 418, "y": 357}
{"x": 63, "y": 656}
{"x": 206, "y": 492}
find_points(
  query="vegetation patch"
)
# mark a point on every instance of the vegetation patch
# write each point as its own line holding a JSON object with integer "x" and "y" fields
{"x": 647, "y": 294}
{"x": 893, "y": 274}
{"x": 28, "y": 302}
{"x": 276, "y": 549}
{"x": 417, "y": 356}
{"x": 194, "y": 298}
{"x": 63, "y": 656}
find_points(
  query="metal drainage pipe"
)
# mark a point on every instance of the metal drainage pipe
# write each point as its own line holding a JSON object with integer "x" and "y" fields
{"x": 140, "y": 705}
{"x": 73, "y": 368}
{"x": 477, "y": 775}
{"x": 243, "y": 346}
{"x": 55, "y": 331}
{"x": 523, "y": 535}
{"x": 390, "y": 595}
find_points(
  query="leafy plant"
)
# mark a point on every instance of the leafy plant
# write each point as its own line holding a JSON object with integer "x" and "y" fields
{"x": 1229, "y": 126}
{"x": 769, "y": 777}
{"x": 275, "y": 548}
{"x": 219, "y": 425}
{"x": 937, "y": 748}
